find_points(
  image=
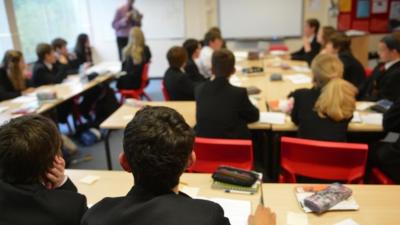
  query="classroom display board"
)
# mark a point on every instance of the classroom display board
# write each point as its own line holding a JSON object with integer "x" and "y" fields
{"x": 239, "y": 19}
{"x": 373, "y": 16}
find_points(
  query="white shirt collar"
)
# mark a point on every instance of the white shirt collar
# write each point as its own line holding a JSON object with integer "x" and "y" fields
{"x": 391, "y": 63}
{"x": 48, "y": 65}
{"x": 311, "y": 39}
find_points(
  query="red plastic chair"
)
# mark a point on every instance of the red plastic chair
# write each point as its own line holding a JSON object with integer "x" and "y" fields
{"x": 378, "y": 177}
{"x": 278, "y": 47}
{"x": 212, "y": 153}
{"x": 368, "y": 71}
{"x": 139, "y": 93}
{"x": 165, "y": 92}
{"x": 334, "y": 161}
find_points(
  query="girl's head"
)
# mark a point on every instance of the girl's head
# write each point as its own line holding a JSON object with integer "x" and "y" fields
{"x": 15, "y": 66}
{"x": 193, "y": 48}
{"x": 82, "y": 42}
{"x": 326, "y": 67}
{"x": 135, "y": 45}
{"x": 324, "y": 35}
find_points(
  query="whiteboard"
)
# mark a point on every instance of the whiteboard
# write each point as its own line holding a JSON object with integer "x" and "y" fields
{"x": 260, "y": 18}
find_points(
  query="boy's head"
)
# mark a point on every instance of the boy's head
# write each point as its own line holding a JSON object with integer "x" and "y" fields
{"x": 338, "y": 42}
{"x": 213, "y": 39}
{"x": 223, "y": 63}
{"x": 158, "y": 147}
{"x": 60, "y": 46}
{"x": 389, "y": 48}
{"x": 177, "y": 57}
{"x": 311, "y": 27}
{"x": 45, "y": 53}
{"x": 28, "y": 146}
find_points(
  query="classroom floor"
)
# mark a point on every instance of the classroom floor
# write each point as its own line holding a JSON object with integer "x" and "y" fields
{"x": 97, "y": 151}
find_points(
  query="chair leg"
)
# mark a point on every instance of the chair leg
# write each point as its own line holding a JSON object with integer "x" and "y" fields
{"x": 146, "y": 96}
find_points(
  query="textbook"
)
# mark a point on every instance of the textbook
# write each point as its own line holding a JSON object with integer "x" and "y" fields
{"x": 335, "y": 197}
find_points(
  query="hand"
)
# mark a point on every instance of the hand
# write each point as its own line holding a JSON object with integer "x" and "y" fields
{"x": 63, "y": 59}
{"x": 55, "y": 176}
{"x": 262, "y": 216}
{"x": 28, "y": 91}
{"x": 307, "y": 45}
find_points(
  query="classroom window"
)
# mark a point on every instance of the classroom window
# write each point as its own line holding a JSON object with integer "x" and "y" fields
{"x": 43, "y": 20}
{"x": 5, "y": 35}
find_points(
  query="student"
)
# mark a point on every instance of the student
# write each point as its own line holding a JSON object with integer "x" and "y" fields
{"x": 33, "y": 186}
{"x": 135, "y": 56}
{"x": 324, "y": 111}
{"x": 126, "y": 18}
{"x": 158, "y": 147}
{"x": 213, "y": 42}
{"x": 83, "y": 51}
{"x": 384, "y": 82}
{"x": 386, "y": 156}
{"x": 311, "y": 46}
{"x": 64, "y": 57}
{"x": 45, "y": 69}
{"x": 223, "y": 110}
{"x": 193, "y": 49}
{"x": 324, "y": 35}
{"x": 12, "y": 80}
{"x": 176, "y": 81}
{"x": 339, "y": 44}
{"x": 218, "y": 30}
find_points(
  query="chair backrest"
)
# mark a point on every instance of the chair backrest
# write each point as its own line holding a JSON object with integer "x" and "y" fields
{"x": 335, "y": 161}
{"x": 145, "y": 76}
{"x": 165, "y": 92}
{"x": 229, "y": 152}
{"x": 368, "y": 71}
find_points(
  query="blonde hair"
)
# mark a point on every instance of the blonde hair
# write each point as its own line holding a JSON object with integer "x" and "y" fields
{"x": 11, "y": 62}
{"x": 136, "y": 45}
{"x": 337, "y": 100}
{"x": 326, "y": 67}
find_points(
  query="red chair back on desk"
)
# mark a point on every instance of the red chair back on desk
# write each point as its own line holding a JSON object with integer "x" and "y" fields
{"x": 212, "y": 153}
{"x": 334, "y": 161}
{"x": 139, "y": 93}
{"x": 165, "y": 92}
{"x": 378, "y": 177}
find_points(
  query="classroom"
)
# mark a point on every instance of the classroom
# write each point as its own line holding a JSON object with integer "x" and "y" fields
{"x": 242, "y": 112}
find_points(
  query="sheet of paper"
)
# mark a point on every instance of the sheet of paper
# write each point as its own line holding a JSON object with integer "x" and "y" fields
{"x": 272, "y": 117}
{"x": 372, "y": 118}
{"x": 236, "y": 210}
{"x": 3, "y": 109}
{"x": 347, "y": 222}
{"x": 24, "y": 99}
{"x": 299, "y": 79}
{"x": 296, "y": 219}
{"x": 301, "y": 69}
{"x": 235, "y": 81}
{"x": 241, "y": 55}
{"x": 356, "y": 117}
{"x": 362, "y": 106}
{"x": 89, "y": 179}
{"x": 191, "y": 191}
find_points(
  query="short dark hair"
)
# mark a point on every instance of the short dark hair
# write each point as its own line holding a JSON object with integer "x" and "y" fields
{"x": 28, "y": 146}
{"x": 223, "y": 63}
{"x": 392, "y": 42}
{"x": 341, "y": 41}
{"x": 177, "y": 57}
{"x": 211, "y": 36}
{"x": 58, "y": 43}
{"x": 191, "y": 45}
{"x": 157, "y": 144}
{"x": 42, "y": 50}
{"x": 327, "y": 32}
{"x": 313, "y": 23}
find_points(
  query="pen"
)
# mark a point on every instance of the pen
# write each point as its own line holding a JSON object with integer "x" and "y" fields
{"x": 239, "y": 192}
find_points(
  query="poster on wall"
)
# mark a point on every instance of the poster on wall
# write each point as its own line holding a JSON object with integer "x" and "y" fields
{"x": 345, "y": 6}
{"x": 363, "y": 9}
{"x": 380, "y": 6}
{"x": 394, "y": 17}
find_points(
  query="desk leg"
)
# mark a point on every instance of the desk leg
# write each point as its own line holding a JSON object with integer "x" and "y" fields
{"x": 107, "y": 148}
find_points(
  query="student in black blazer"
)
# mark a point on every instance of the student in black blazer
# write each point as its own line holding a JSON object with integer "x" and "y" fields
{"x": 135, "y": 55}
{"x": 223, "y": 110}
{"x": 311, "y": 46}
{"x": 354, "y": 72}
{"x": 324, "y": 111}
{"x": 63, "y": 56}
{"x": 386, "y": 156}
{"x": 193, "y": 49}
{"x": 158, "y": 147}
{"x": 12, "y": 80}
{"x": 177, "y": 83}
{"x": 33, "y": 187}
{"x": 384, "y": 82}
{"x": 45, "y": 70}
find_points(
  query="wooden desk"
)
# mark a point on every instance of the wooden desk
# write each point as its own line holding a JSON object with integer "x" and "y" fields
{"x": 378, "y": 205}
{"x": 118, "y": 183}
